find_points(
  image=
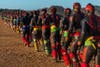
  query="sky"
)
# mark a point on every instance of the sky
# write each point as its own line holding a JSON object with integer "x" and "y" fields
{"x": 36, "y": 4}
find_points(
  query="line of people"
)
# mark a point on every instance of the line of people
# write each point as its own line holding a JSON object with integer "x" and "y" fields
{"x": 74, "y": 37}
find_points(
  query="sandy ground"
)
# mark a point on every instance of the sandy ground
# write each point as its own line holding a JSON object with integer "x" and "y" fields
{"x": 14, "y": 54}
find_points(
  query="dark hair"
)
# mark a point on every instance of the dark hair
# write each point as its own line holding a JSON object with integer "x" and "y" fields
{"x": 45, "y": 10}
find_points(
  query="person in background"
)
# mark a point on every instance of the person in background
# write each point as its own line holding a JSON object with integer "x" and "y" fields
{"x": 26, "y": 28}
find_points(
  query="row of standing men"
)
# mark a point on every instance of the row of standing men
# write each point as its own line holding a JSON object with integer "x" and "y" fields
{"x": 74, "y": 37}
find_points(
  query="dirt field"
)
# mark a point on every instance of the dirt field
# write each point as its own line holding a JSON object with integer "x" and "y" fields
{"x": 14, "y": 54}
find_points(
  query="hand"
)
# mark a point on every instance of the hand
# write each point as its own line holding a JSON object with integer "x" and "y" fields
{"x": 61, "y": 32}
{"x": 90, "y": 38}
{"x": 98, "y": 44}
{"x": 79, "y": 43}
{"x": 67, "y": 38}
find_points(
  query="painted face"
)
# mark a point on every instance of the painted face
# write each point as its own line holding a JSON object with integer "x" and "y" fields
{"x": 89, "y": 9}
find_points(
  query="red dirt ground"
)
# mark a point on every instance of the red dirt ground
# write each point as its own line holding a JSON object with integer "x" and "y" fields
{"x": 14, "y": 54}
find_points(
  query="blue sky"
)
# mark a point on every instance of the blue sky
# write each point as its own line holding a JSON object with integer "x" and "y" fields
{"x": 36, "y": 4}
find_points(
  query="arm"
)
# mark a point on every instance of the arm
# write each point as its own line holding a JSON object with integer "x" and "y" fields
{"x": 80, "y": 39}
{"x": 61, "y": 25}
{"x": 39, "y": 22}
{"x": 70, "y": 24}
{"x": 82, "y": 29}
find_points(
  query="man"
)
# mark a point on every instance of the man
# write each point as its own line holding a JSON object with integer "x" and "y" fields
{"x": 91, "y": 32}
{"x": 55, "y": 34}
{"x": 36, "y": 30}
{"x": 74, "y": 32}
{"x": 26, "y": 28}
{"x": 45, "y": 24}
{"x": 64, "y": 36}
